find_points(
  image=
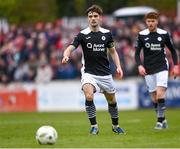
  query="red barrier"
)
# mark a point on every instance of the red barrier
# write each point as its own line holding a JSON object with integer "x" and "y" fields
{"x": 18, "y": 101}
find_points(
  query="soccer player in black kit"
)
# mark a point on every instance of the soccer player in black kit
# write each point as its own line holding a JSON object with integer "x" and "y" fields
{"x": 155, "y": 65}
{"x": 96, "y": 42}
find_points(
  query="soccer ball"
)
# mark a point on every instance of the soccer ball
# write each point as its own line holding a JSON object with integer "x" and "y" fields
{"x": 46, "y": 135}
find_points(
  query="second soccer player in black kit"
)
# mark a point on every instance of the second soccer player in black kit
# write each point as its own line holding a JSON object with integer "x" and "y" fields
{"x": 155, "y": 65}
{"x": 96, "y": 42}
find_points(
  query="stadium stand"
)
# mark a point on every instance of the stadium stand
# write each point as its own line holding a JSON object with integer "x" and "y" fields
{"x": 29, "y": 52}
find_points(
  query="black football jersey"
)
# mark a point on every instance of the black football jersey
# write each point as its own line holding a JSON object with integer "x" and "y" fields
{"x": 95, "y": 55}
{"x": 153, "y": 45}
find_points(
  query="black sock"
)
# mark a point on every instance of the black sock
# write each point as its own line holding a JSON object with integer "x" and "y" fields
{"x": 161, "y": 109}
{"x": 161, "y": 119}
{"x": 91, "y": 112}
{"x": 155, "y": 106}
{"x": 113, "y": 110}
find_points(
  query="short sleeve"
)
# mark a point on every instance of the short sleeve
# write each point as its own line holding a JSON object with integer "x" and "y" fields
{"x": 76, "y": 41}
{"x": 110, "y": 42}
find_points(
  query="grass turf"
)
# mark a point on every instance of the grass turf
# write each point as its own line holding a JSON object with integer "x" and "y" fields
{"x": 17, "y": 130}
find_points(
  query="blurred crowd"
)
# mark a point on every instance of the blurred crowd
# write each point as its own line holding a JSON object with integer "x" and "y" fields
{"x": 34, "y": 53}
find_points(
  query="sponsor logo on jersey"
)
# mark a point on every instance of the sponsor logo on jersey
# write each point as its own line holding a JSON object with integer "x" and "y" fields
{"x": 96, "y": 47}
{"x": 89, "y": 45}
{"x": 153, "y": 47}
{"x": 147, "y": 45}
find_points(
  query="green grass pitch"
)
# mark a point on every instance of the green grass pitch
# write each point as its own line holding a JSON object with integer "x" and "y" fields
{"x": 17, "y": 130}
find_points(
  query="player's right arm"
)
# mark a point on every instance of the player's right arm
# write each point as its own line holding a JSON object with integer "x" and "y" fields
{"x": 70, "y": 48}
{"x": 67, "y": 53}
{"x": 138, "y": 48}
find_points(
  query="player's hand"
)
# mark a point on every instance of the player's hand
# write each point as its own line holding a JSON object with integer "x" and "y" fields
{"x": 65, "y": 59}
{"x": 175, "y": 71}
{"x": 119, "y": 72}
{"x": 142, "y": 70}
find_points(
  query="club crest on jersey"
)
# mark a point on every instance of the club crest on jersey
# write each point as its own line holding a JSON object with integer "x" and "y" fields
{"x": 103, "y": 38}
{"x": 159, "y": 39}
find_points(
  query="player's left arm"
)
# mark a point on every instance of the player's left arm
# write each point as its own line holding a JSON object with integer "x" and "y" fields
{"x": 114, "y": 55}
{"x": 116, "y": 60}
{"x": 170, "y": 45}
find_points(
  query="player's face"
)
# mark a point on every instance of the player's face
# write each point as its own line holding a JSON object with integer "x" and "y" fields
{"x": 152, "y": 24}
{"x": 93, "y": 19}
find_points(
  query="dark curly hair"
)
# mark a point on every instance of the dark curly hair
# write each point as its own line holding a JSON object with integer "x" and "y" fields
{"x": 95, "y": 8}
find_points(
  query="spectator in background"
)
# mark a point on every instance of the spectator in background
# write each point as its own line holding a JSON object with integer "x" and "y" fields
{"x": 21, "y": 73}
{"x": 44, "y": 71}
{"x": 32, "y": 62}
{"x": 4, "y": 76}
{"x": 18, "y": 44}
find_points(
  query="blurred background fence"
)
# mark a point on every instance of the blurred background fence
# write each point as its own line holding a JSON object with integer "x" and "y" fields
{"x": 67, "y": 96}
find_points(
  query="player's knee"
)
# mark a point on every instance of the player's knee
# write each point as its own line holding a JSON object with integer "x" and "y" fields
{"x": 160, "y": 95}
{"x": 111, "y": 101}
{"x": 89, "y": 96}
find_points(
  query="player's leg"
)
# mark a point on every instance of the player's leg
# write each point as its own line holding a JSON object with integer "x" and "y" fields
{"x": 159, "y": 112}
{"x": 113, "y": 110}
{"x": 151, "y": 82}
{"x": 112, "y": 107}
{"x": 154, "y": 100}
{"x": 88, "y": 90}
{"x": 151, "y": 85}
{"x": 161, "y": 91}
{"x": 162, "y": 83}
{"x": 162, "y": 79}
